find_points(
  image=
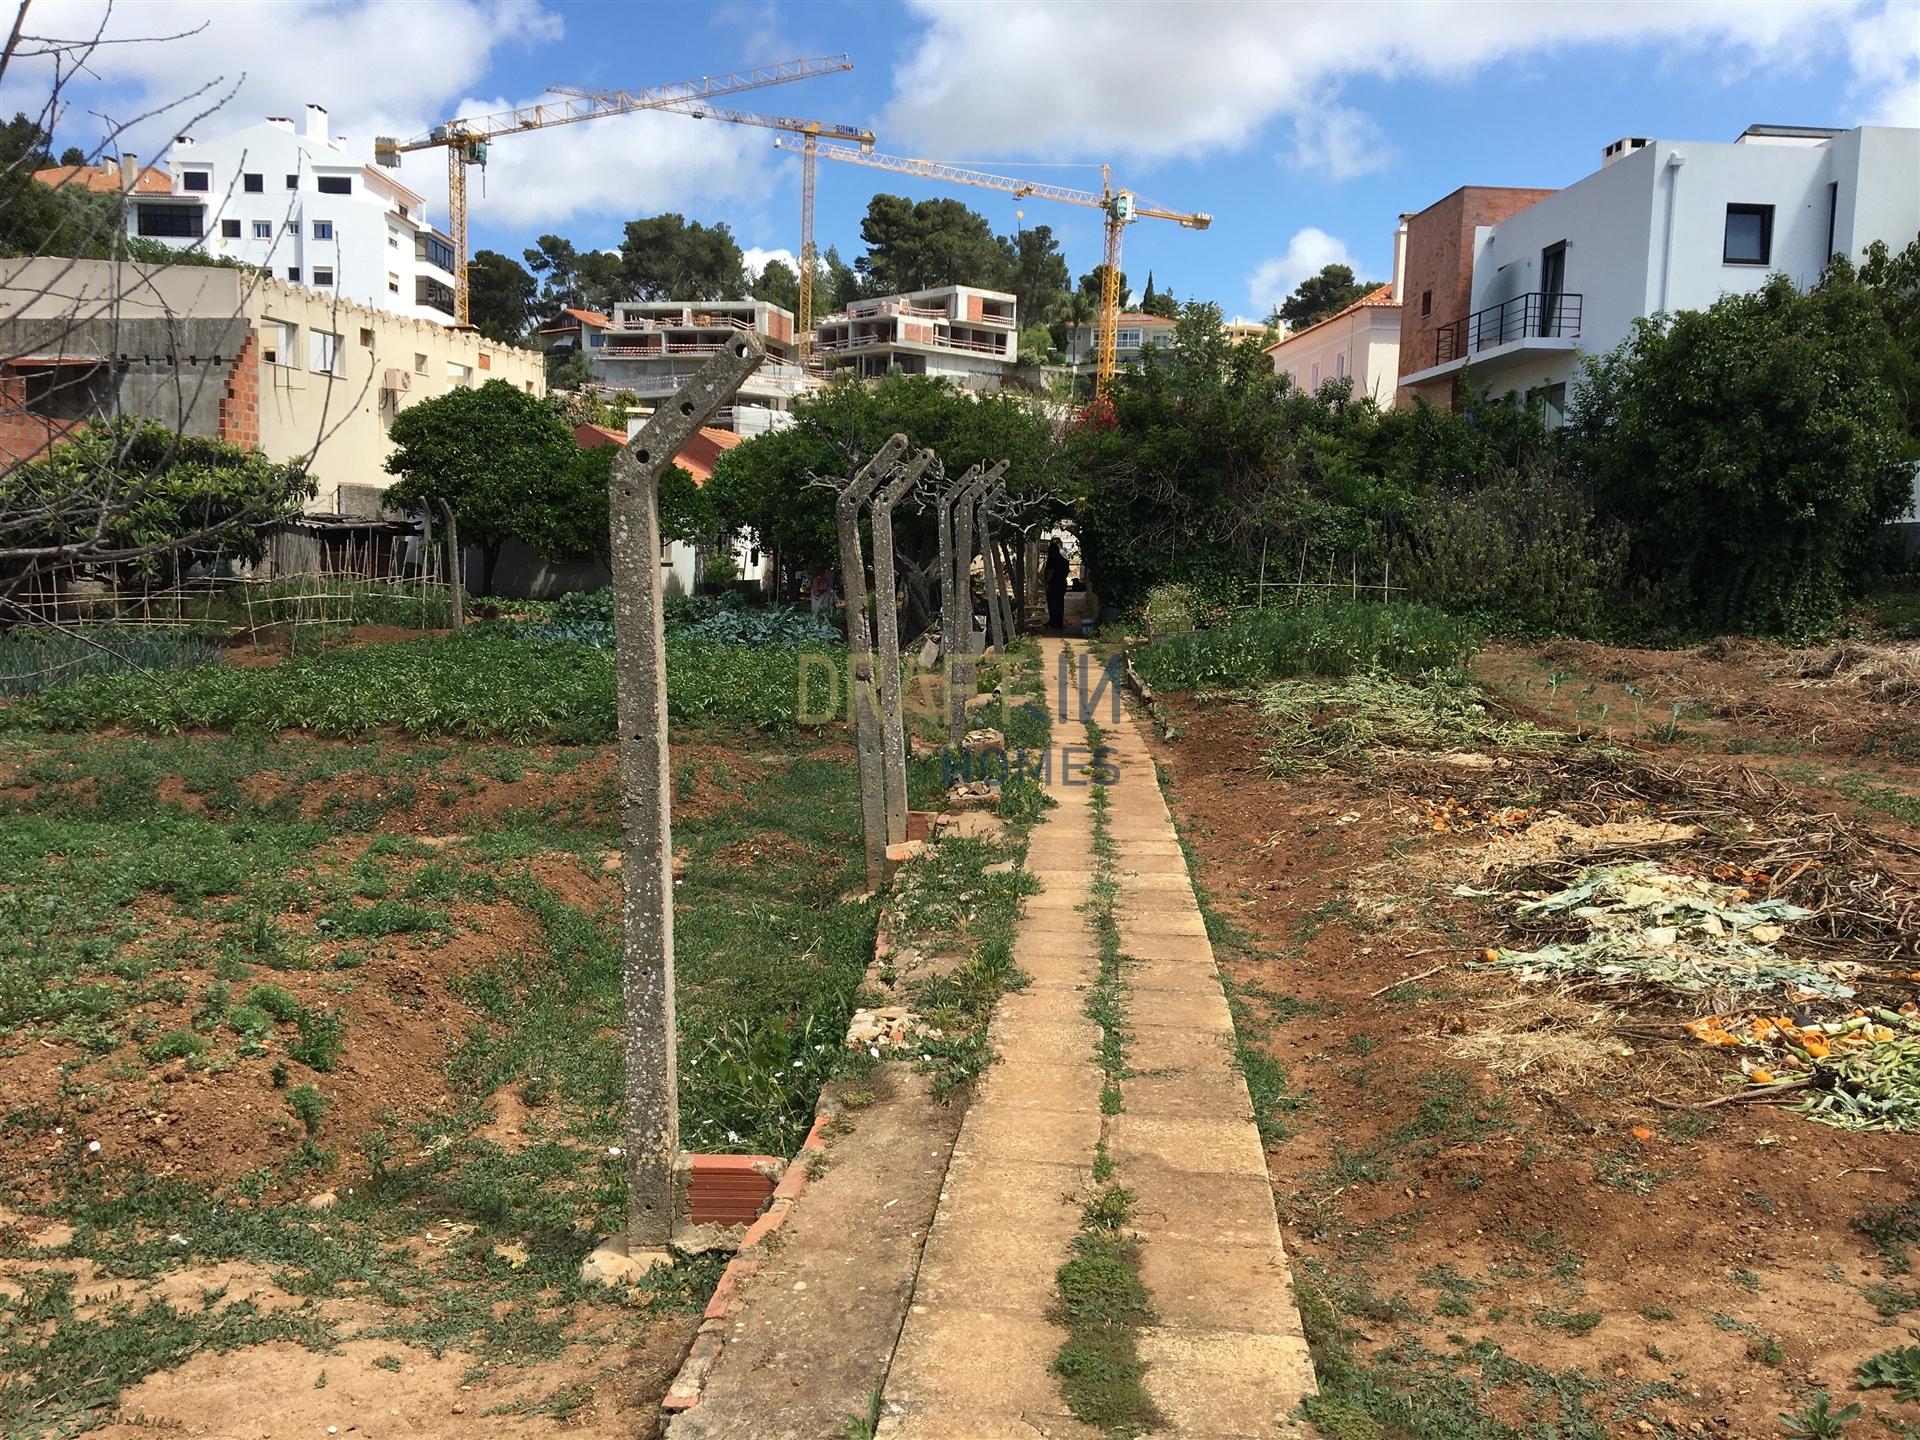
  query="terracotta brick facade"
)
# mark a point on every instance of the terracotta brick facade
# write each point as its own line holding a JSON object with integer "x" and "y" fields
{"x": 1439, "y": 275}
{"x": 240, "y": 406}
{"x": 24, "y": 435}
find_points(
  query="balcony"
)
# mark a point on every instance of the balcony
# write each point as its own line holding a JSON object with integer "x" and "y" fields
{"x": 1533, "y": 316}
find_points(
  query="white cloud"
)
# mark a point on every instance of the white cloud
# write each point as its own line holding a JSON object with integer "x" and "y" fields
{"x": 757, "y": 258}
{"x": 1885, "y": 52}
{"x": 1155, "y": 79}
{"x": 1338, "y": 140}
{"x": 1310, "y": 251}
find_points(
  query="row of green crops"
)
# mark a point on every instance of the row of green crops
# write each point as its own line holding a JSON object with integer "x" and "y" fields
{"x": 479, "y": 682}
{"x": 35, "y": 657}
{"x": 1339, "y": 637}
{"x": 725, "y": 620}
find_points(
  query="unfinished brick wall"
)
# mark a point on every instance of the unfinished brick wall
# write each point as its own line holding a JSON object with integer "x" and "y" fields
{"x": 24, "y": 435}
{"x": 1440, "y": 266}
{"x": 240, "y": 405}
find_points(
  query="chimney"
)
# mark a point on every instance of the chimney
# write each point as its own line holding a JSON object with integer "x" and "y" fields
{"x": 281, "y": 122}
{"x": 1400, "y": 262}
{"x": 129, "y": 170}
{"x": 317, "y": 123}
{"x": 183, "y": 142}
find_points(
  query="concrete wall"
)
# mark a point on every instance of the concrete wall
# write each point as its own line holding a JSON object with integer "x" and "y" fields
{"x": 176, "y": 335}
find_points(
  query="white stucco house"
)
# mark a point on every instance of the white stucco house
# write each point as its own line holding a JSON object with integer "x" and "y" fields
{"x": 296, "y": 203}
{"x": 1668, "y": 225}
{"x": 1361, "y": 342}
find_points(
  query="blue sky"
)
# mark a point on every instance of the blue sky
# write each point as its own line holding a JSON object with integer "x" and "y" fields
{"x": 1303, "y": 129}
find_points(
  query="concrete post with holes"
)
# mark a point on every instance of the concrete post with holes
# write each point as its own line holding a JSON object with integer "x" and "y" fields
{"x": 961, "y": 674}
{"x": 652, "y": 1087}
{"x": 893, "y": 727}
{"x": 456, "y": 569}
{"x": 869, "y": 762}
{"x": 951, "y": 611}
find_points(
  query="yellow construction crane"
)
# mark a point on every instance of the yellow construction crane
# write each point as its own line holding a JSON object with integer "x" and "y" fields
{"x": 1120, "y": 206}
{"x": 466, "y": 140}
{"x": 811, "y": 132}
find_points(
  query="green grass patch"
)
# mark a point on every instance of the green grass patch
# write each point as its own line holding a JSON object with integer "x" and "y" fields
{"x": 1340, "y": 637}
{"x": 1103, "y": 1305}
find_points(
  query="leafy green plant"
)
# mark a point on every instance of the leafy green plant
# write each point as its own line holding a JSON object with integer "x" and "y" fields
{"x": 320, "y": 1043}
{"x": 176, "y": 1045}
{"x": 1896, "y": 1370}
{"x": 1818, "y": 1421}
{"x": 309, "y": 1106}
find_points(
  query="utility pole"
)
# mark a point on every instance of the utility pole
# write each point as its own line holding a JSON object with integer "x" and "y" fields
{"x": 892, "y": 722}
{"x": 652, "y": 1081}
{"x": 866, "y": 718}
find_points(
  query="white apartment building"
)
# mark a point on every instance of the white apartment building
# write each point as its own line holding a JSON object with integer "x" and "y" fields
{"x": 1662, "y": 226}
{"x": 956, "y": 332}
{"x": 650, "y": 348}
{"x": 1133, "y": 331}
{"x": 294, "y": 202}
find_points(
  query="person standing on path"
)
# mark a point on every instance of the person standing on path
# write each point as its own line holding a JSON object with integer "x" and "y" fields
{"x": 1055, "y": 573}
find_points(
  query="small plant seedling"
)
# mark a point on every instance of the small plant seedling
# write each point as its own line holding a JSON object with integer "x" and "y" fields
{"x": 1819, "y": 1422}
{"x": 309, "y": 1106}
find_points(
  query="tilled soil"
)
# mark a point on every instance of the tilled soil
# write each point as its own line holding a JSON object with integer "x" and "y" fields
{"x": 1555, "y": 1240}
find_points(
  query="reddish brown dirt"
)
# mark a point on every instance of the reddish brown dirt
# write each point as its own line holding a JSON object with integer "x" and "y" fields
{"x": 215, "y": 1124}
{"x": 1732, "y": 692}
{"x": 1530, "y": 1188}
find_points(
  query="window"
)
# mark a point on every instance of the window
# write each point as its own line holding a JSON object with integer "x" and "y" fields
{"x": 1316, "y": 374}
{"x": 323, "y": 229}
{"x": 293, "y": 274}
{"x": 419, "y": 364}
{"x": 1340, "y": 366}
{"x": 277, "y": 339}
{"x": 460, "y": 375}
{"x": 393, "y": 282}
{"x": 229, "y": 229}
{"x": 323, "y": 352}
{"x": 393, "y": 241}
{"x": 486, "y": 360}
{"x": 334, "y": 184}
{"x": 293, "y": 182}
{"x": 201, "y": 180}
{"x": 253, "y": 184}
{"x": 366, "y": 337}
{"x": 263, "y": 229}
{"x": 1553, "y": 284}
{"x": 1426, "y": 303}
{"x": 1128, "y": 339}
{"x": 435, "y": 251}
{"x": 172, "y": 222}
{"x": 1549, "y": 402}
{"x": 1749, "y": 235}
{"x": 1833, "y": 214}
{"x": 323, "y": 275}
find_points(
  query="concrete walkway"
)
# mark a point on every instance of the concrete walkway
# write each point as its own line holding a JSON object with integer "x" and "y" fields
{"x": 1226, "y": 1357}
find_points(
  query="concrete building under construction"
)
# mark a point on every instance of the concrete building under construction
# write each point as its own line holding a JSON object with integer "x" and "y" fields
{"x": 955, "y": 332}
{"x": 650, "y": 348}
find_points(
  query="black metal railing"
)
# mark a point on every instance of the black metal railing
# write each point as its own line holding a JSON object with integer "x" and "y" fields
{"x": 1525, "y": 317}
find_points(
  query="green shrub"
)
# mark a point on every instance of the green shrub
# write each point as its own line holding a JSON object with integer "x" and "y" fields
{"x": 250, "y": 1022}
{"x": 1523, "y": 553}
{"x": 1340, "y": 637}
{"x": 277, "y": 1002}
{"x": 309, "y": 1105}
{"x": 1171, "y": 610}
{"x": 175, "y": 1045}
{"x": 319, "y": 1045}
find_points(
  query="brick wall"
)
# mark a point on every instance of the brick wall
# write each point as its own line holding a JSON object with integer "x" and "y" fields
{"x": 22, "y": 435}
{"x": 240, "y": 405}
{"x": 1439, "y": 277}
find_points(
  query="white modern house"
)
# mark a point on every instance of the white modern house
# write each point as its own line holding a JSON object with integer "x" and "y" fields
{"x": 957, "y": 332}
{"x": 294, "y": 202}
{"x": 1662, "y": 226}
{"x": 1133, "y": 332}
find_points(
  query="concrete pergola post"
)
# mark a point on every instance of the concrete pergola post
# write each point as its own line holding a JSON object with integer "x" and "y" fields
{"x": 990, "y": 568}
{"x": 950, "y": 604}
{"x": 456, "y": 569}
{"x": 960, "y": 668}
{"x": 869, "y": 762}
{"x": 652, "y": 1082}
{"x": 893, "y": 728}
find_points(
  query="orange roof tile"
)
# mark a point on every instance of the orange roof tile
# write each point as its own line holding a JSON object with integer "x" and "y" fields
{"x": 105, "y": 179}
{"x": 696, "y": 457}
